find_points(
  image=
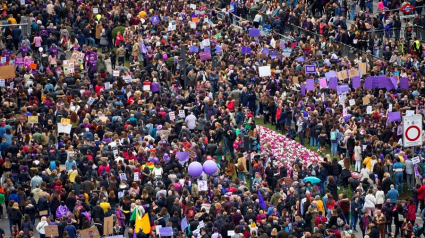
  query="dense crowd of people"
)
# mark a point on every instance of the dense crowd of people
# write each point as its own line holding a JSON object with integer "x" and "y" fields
{"x": 103, "y": 102}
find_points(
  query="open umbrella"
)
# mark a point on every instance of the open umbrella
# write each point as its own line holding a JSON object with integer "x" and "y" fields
{"x": 311, "y": 180}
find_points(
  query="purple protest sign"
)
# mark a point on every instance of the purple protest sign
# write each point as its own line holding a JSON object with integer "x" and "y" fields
{"x": 282, "y": 45}
{"x": 310, "y": 84}
{"x": 27, "y": 62}
{"x": 404, "y": 83}
{"x": 310, "y": 69}
{"x": 182, "y": 156}
{"x": 393, "y": 116}
{"x": 333, "y": 83}
{"x": 342, "y": 89}
{"x": 368, "y": 82}
{"x": 205, "y": 56}
{"x": 265, "y": 50}
{"x": 19, "y": 61}
{"x": 246, "y": 50}
{"x": 194, "y": 49}
{"x": 155, "y": 20}
{"x": 274, "y": 54}
{"x": 356, "y": 82}
{"x": 303, "y": 89}
{"x": 165, "y": 231}
{"x": 331, "y": 74}
{"x": 207, "y": 49}
{"x": 254, "y": 32}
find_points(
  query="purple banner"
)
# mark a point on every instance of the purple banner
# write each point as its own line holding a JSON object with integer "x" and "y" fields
{"x": 342, "y": 89}
{"x": 368, "y": 83}
{"x": 19, "y": 61}
{"x": 310, "y": 84}
{"x": 205, "y": 56}
{"x": 254, "y": 32}
{"x": 382, "y": 81}
{"x": 404, "y": 83}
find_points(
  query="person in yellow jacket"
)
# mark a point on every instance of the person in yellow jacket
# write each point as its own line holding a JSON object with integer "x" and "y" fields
{"x": 367, "y": 161}
{"x": 319, "y": 204}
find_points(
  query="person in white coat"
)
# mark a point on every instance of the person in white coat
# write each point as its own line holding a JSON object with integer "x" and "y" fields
{"x": 40, "y": 227}
{"x": 358, "y": 156}
{"x": 380, "y": 198}
{"x": 108, "y": 64}
{"x": 370, "y": 202}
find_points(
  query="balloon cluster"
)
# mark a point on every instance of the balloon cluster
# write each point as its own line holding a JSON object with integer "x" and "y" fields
{"x": 196, "y": 168}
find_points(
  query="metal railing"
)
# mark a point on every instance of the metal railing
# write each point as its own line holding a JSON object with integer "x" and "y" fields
{"x": 345, "y": 50}
{"x": 395, "y": 34}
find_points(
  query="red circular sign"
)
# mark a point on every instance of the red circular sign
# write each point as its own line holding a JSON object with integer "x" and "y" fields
{"x": 412, "y": 127}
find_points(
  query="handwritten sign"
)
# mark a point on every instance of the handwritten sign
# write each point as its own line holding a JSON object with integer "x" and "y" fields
{"x": 51, "y": 230}
{"x": 32, "y": 119}
{"x": 342, "y": 75}
{"x": 65, "y": 121}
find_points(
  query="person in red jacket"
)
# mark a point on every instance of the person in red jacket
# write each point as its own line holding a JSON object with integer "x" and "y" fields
{"x": 411, "y": 212}
{"x": 103, "y": 169}
{"x": 320, "y": 219}
{"x": 421, "y": 196}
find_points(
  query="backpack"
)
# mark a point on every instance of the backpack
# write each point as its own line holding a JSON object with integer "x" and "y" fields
{"x": 103, "y": 171}
{"x": 333, "y": 135}
{"x": 190, "y": 213}
{"x": 339, "y": 221}
{"x": 241, "y": 168}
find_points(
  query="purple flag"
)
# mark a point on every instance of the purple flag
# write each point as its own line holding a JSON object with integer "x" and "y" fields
{"x": 310, "y": 84}
{"x": 356, "y": 82}
{"x": 155, "y": 20}
{"x": 282, "y": 45}
{"x": 194, "y": 49}
{"x": 342, "y": 89}
{"x": 254, "y": 32}
{"x": 246, "y": 50}
{"x": 330, "y": 74}
{"x": 393, "y": 116}
{"x": 382, "y": 81}
{"x": 184, "y": 224}
{"x": 388, "y": 84}
{"x": 310, "y": 69}
{"x": 303, "y": 89}
{"x": 333, "y": 83}
{"x": 205, "y": 56}
{"x": 218, "y": 49}
{"x": 182, "y": 156}
{"x": 166, "y": 231}
{"x": 299, "y": 59}
{"x": 368, "y": 83}
{"x": 404, "y": 83}
{"x": 261, "y": 200}
{"x": 143, "y": 48}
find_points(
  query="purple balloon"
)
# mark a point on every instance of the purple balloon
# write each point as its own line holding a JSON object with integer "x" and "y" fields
{"x": 210, "y": 167}
{"x": 166, "y": 158}
{"x": 195, "y": 169}
{"x": 150, "y": 159}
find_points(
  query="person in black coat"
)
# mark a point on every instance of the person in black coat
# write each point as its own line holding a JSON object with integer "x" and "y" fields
{"x": 332, "y": 187}
{"x": 374, "y": 231}
{"x": 335, "y": 170}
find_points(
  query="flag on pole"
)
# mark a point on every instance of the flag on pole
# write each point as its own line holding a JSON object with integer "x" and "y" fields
{"x": 143, "y": 48}
{"x": 261, "y": 200}
{"x": 141, "y": 222}
{"x": 184, "y": 223}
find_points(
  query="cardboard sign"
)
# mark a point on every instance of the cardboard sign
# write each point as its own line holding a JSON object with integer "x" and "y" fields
{"x": 32, "y": 119}
{"x": 295, "y": 80}
{"x": 51, "y": 230}
{"x": 363, "y": 68}
{"x": 43, "y": 213}
{"x": 342, "y": 75}
{"x": 65, "y": 121}
{"x": 7, "y": 71}
{"x": 261, "y": 56}
{"x": 108, "y": 226}
{"x": 352, "y": 73}
{"x": 91, "y": 232}
{"x": 366, "y": 100}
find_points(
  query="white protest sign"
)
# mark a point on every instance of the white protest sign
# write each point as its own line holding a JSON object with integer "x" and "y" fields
{"x": 64, "y": 128}
{"x": 146, "y": 88}
{"x": 90, "y": 101}
{"x": 410, "y": 113}
{"x": 352, "y": 102}
{"x": 116, "y": 73}
{"x": 95, "y": 10}
{"x": 107, "y": 85}
{"x": 264, "y": 71}
{"x": 390, "y": 107}
{"x": 369, "y": 110}
{"x": 136, "y": 176}
{"x": 182, "y": 114}
{"x": 344, "y": 112}
{"x": 2, "y": 83}
{"x": 172, "y": 116}
{"x": 123, "y": 176}
{"x": 416, "y": 160}
{"x": 203, "y": 185}
{"x": 172, "y": 27}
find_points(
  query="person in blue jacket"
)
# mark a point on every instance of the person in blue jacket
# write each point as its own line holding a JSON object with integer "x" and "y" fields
{"x": 392, "y": 195}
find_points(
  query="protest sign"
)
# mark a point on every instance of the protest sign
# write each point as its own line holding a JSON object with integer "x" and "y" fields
{"x": 51, "y": 230}
{"x": 91, "y": 232}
